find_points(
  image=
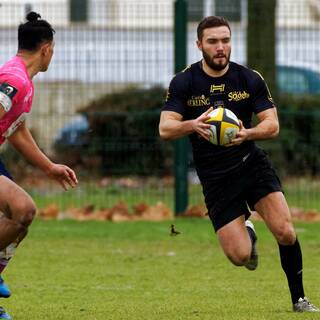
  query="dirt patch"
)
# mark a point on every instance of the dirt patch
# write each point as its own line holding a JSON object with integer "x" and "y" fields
{"x": 117, "y": 213}
{"x": 143, "y": 211}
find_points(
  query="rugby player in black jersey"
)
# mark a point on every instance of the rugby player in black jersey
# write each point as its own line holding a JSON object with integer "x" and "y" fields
{"x": 239, "y": 175}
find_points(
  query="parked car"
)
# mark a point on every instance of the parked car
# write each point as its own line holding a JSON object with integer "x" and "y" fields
{"x": 71, "y": 134}
{"x": 297, "y": 80}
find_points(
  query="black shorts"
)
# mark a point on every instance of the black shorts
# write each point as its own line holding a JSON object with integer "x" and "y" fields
{"x": 236, "y": 194}
{"x": 4, "y": 171}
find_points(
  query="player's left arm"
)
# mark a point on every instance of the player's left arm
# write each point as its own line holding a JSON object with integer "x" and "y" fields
{"x": 23, "y": 142}
{"x": 264, "y": 108}
{"x": 2, "y": 111}
{"x": 267, "y": 128}
{"x": 8, "y": 93}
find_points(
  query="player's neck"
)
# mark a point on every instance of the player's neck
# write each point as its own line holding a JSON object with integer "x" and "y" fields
{"x": 31, "y": 63}
{"x": 214, "y": 73}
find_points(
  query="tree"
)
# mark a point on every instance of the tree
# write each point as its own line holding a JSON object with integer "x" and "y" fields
{"x": 261, "y": 39}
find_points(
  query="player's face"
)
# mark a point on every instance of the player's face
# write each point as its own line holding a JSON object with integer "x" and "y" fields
{"x": 216, "y": 47}
{"x": 47, "y": 53}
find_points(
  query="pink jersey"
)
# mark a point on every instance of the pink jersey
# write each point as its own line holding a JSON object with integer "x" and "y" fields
{"x": 16, "y": 94}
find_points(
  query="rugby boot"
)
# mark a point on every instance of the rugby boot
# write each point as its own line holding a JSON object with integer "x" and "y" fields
{"x": 4, "y": 315}
{"x": 252, "y": 264}
{"x": 4, "y": 290}
{"x": 304, "y": 305}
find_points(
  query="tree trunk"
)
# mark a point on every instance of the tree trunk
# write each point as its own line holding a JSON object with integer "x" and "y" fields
{"x": 261, "y": 40}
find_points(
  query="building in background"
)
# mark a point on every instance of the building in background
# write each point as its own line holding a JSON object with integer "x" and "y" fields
{"x": 143, "y": 13}
{"x": 104, "y": 45}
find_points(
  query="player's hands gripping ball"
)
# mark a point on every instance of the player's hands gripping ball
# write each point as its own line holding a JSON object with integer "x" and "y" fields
{"x": 224, "y": 126}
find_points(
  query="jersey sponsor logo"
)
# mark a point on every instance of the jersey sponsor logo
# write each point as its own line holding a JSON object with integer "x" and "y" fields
{"x": 5, "y": 101}
{"x": 7, "y": 93}
{"x": 217, "y": 88}
{"x": 238, "y": 95}
{"x": 198, "y": 101}
{"x": 15, "y": 125}
{"x": 8, "y": 90}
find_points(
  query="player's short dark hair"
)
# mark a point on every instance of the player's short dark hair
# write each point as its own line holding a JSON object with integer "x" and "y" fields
{"x": 211, "y": 22}
{"x": 34, "y": 32}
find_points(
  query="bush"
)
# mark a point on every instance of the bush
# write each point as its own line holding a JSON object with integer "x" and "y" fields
{"x": 297, "y": 149}
{"x": 123, "y": 133}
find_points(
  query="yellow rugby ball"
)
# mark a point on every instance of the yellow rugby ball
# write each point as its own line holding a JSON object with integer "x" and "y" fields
{"x": 224, "y": 126}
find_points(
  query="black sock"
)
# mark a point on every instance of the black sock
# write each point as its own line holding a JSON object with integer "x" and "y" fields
{"x": 291, "y": 262}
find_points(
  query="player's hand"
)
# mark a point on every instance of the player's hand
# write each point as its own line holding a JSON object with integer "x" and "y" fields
{"x": 200, "y": 126}
{"x": 63, "y": 175}
{"x": 241, "y": 136}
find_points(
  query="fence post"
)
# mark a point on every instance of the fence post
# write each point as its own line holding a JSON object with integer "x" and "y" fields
{"x": 181, "y": 145}
{"x": 78, "y": 10}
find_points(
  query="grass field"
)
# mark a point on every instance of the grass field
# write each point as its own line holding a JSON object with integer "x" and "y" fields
{"x": 100, "y": 270}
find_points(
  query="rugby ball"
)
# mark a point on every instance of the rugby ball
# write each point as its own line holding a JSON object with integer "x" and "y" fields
{"x": 224, "y": 125}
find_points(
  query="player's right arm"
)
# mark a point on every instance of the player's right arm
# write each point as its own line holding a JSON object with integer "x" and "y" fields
{"x": 172, "y": 125}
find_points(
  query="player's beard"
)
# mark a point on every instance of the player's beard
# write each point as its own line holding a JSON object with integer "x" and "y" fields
{"x": 215, "y": 66}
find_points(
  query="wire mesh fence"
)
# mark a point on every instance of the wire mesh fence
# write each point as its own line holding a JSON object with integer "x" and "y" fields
{"x": 107, "y": 48}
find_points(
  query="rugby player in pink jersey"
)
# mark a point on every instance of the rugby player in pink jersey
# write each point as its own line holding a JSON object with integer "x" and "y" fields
{"x": 35, "y": 50}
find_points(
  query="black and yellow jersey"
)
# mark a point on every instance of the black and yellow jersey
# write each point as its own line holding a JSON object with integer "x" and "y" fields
{"x": 242, "y": 90}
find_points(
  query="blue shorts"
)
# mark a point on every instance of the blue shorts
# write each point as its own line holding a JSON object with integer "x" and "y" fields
{"x": 4, "y": 171}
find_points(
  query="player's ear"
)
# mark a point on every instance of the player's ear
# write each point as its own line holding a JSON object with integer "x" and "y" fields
{"x": 45, "y": 49}
{"x": 199, "y": 45}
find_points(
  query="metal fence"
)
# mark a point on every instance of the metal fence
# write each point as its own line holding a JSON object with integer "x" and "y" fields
{"x": 105, "y": 46}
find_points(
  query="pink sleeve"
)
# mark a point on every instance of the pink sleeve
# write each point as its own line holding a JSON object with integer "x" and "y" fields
{"x": 21, "y": 90}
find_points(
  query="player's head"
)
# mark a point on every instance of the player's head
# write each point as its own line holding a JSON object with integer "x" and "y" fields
{"x": 214, "y": 40}
{"x": 36, "y": 36}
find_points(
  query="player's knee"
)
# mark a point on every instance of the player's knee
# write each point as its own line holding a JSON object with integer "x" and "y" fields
{"x": 286, "y": 234}
{"x": 25, "y": 212}
{"x": 239, "y": 258}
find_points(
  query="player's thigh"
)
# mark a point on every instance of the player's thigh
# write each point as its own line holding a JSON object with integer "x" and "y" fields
{"x": 274, "y": 210}
{"x": 234, "y": 238}
{"x": 14, "y": 201}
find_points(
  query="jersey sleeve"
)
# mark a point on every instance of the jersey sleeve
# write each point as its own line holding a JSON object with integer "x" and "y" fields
{"x": 11, "y": 92}
{"x": 261, "y": 96}
{"x": 7, "y": 95}
{"x": 177, "y": 94}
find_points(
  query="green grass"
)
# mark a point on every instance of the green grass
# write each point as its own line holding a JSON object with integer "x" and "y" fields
{"x": 303, "y": 193}
{"x": 102, "y": 197}
{"x": 100, "y": 270}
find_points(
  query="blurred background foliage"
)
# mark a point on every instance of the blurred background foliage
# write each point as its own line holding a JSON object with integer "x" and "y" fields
{"x": 97, "y": 108}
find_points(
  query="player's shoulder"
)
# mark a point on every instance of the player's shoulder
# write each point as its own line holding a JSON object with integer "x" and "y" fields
{"x": 183, "y": 79}
{"x": 244, "y": 70}
{"x": 251, "y": 76}
{"x": 183, "y": 75}
{"x": 14, "y": 70}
